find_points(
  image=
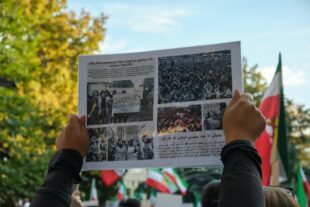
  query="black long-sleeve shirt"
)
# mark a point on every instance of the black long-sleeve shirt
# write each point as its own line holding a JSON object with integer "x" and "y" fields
{"x": 241, "y": 184}
{"x": 63, "y": 172}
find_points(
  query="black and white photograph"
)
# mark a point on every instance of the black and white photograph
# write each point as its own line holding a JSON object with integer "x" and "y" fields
{"x": 179, "y": 119}
{"x": 97, "y": 145}
{"x": 120, "y": 101}
{"x": 131, "y": 143}
{"x": 195, "y": 77}
{"x": 213, "y": 115}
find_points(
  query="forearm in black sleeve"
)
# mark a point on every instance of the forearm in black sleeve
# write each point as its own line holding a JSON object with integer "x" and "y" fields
{"x": 241, "y": 184}
{"x": 63, "y": 172}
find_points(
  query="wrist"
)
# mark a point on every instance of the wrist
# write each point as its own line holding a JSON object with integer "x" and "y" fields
{"x": 230, "y": 138}
{"x": 81, "y": 152}
{"x": 68, "y": 161}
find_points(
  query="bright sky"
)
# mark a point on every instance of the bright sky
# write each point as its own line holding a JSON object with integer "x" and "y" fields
{"x": 264, "y": 28}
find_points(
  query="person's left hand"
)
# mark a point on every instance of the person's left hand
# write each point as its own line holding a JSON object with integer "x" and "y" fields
{"x": 74, "y": 136}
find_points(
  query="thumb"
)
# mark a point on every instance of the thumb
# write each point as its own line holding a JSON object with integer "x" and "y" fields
{"x": 73, "y": 121}
{"x": 59, "y": 141}
{"x": 235, "y": 98}
{"x": 82, "y": 124}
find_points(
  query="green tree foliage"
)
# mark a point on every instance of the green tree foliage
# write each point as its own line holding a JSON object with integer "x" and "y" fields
{"x": 298, "y": 117}
{"x": 39, "y": 45}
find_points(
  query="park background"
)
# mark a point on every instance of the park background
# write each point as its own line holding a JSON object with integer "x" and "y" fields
{"x": 41, "y": 40}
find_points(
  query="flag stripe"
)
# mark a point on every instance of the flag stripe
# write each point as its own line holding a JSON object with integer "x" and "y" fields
{"x": 305, "y": 181}
{"x": 157, "y": 180}
{"x": 122, "y": 192}
{"x": 109, "y": 177}
{"x": 170, "y": 184}
{"x": 176, "y": 179}
{"x": 274, "y": 87}
{"x": 301, "y": 193}
{"x": 282, "y": 135}
{"x": 181, "y": 183}
{"x": 270, "y": 106}
{"x": 159, "y": 186}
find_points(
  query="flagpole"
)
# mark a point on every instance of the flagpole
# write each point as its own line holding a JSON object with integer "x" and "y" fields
{"x": 275, "y": 161}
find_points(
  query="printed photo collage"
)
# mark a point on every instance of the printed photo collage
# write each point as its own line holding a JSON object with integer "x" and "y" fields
{"x": 198, "y": 78}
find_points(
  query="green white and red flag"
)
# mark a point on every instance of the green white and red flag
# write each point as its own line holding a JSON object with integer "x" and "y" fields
{"x": 272, "y": 144}
{"x": 176, "y": 179}
{"x": 121, "y": 192}
{"x": 303, "y": 188}
{"x": 109, "y": 177}
{"x": 158, "y": 180}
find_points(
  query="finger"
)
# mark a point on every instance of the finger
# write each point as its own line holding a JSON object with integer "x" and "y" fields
{"x": 262, "y": 116}
{"x": 235, "y": 98}
{"x": 73, "y": 121}
{"x": 248, "y": 96}
{"x": 83, "y": 127}
{"x": 246, "y": 99}
{"x": 59, "y": 136}
{"x": 59, "y": 141}
{"x": 76, "y": 193}
{"x": 82, "y": 120}
{"x": 82, "y": 123}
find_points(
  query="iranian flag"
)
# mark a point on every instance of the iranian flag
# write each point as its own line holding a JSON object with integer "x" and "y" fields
{"x": 176, "y": 179}
{"x": 156, "y": 179}
{"x": 272, "y": 144}
{"x": 109, "y": 177}
{"x": 303, "y": 188}
{"x": 121, "y": 192}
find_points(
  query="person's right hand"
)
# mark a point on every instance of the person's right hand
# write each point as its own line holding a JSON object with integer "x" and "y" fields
{"x": 242, "y": 120}
{"x": 74, "y": 136}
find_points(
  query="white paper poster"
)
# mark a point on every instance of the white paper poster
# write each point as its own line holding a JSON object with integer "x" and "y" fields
{"x": 159, "y": 108}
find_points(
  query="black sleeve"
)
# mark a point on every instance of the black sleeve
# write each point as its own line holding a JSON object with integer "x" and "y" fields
{"x": 63, "y": 172}
{"x": 241, "y": 183}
